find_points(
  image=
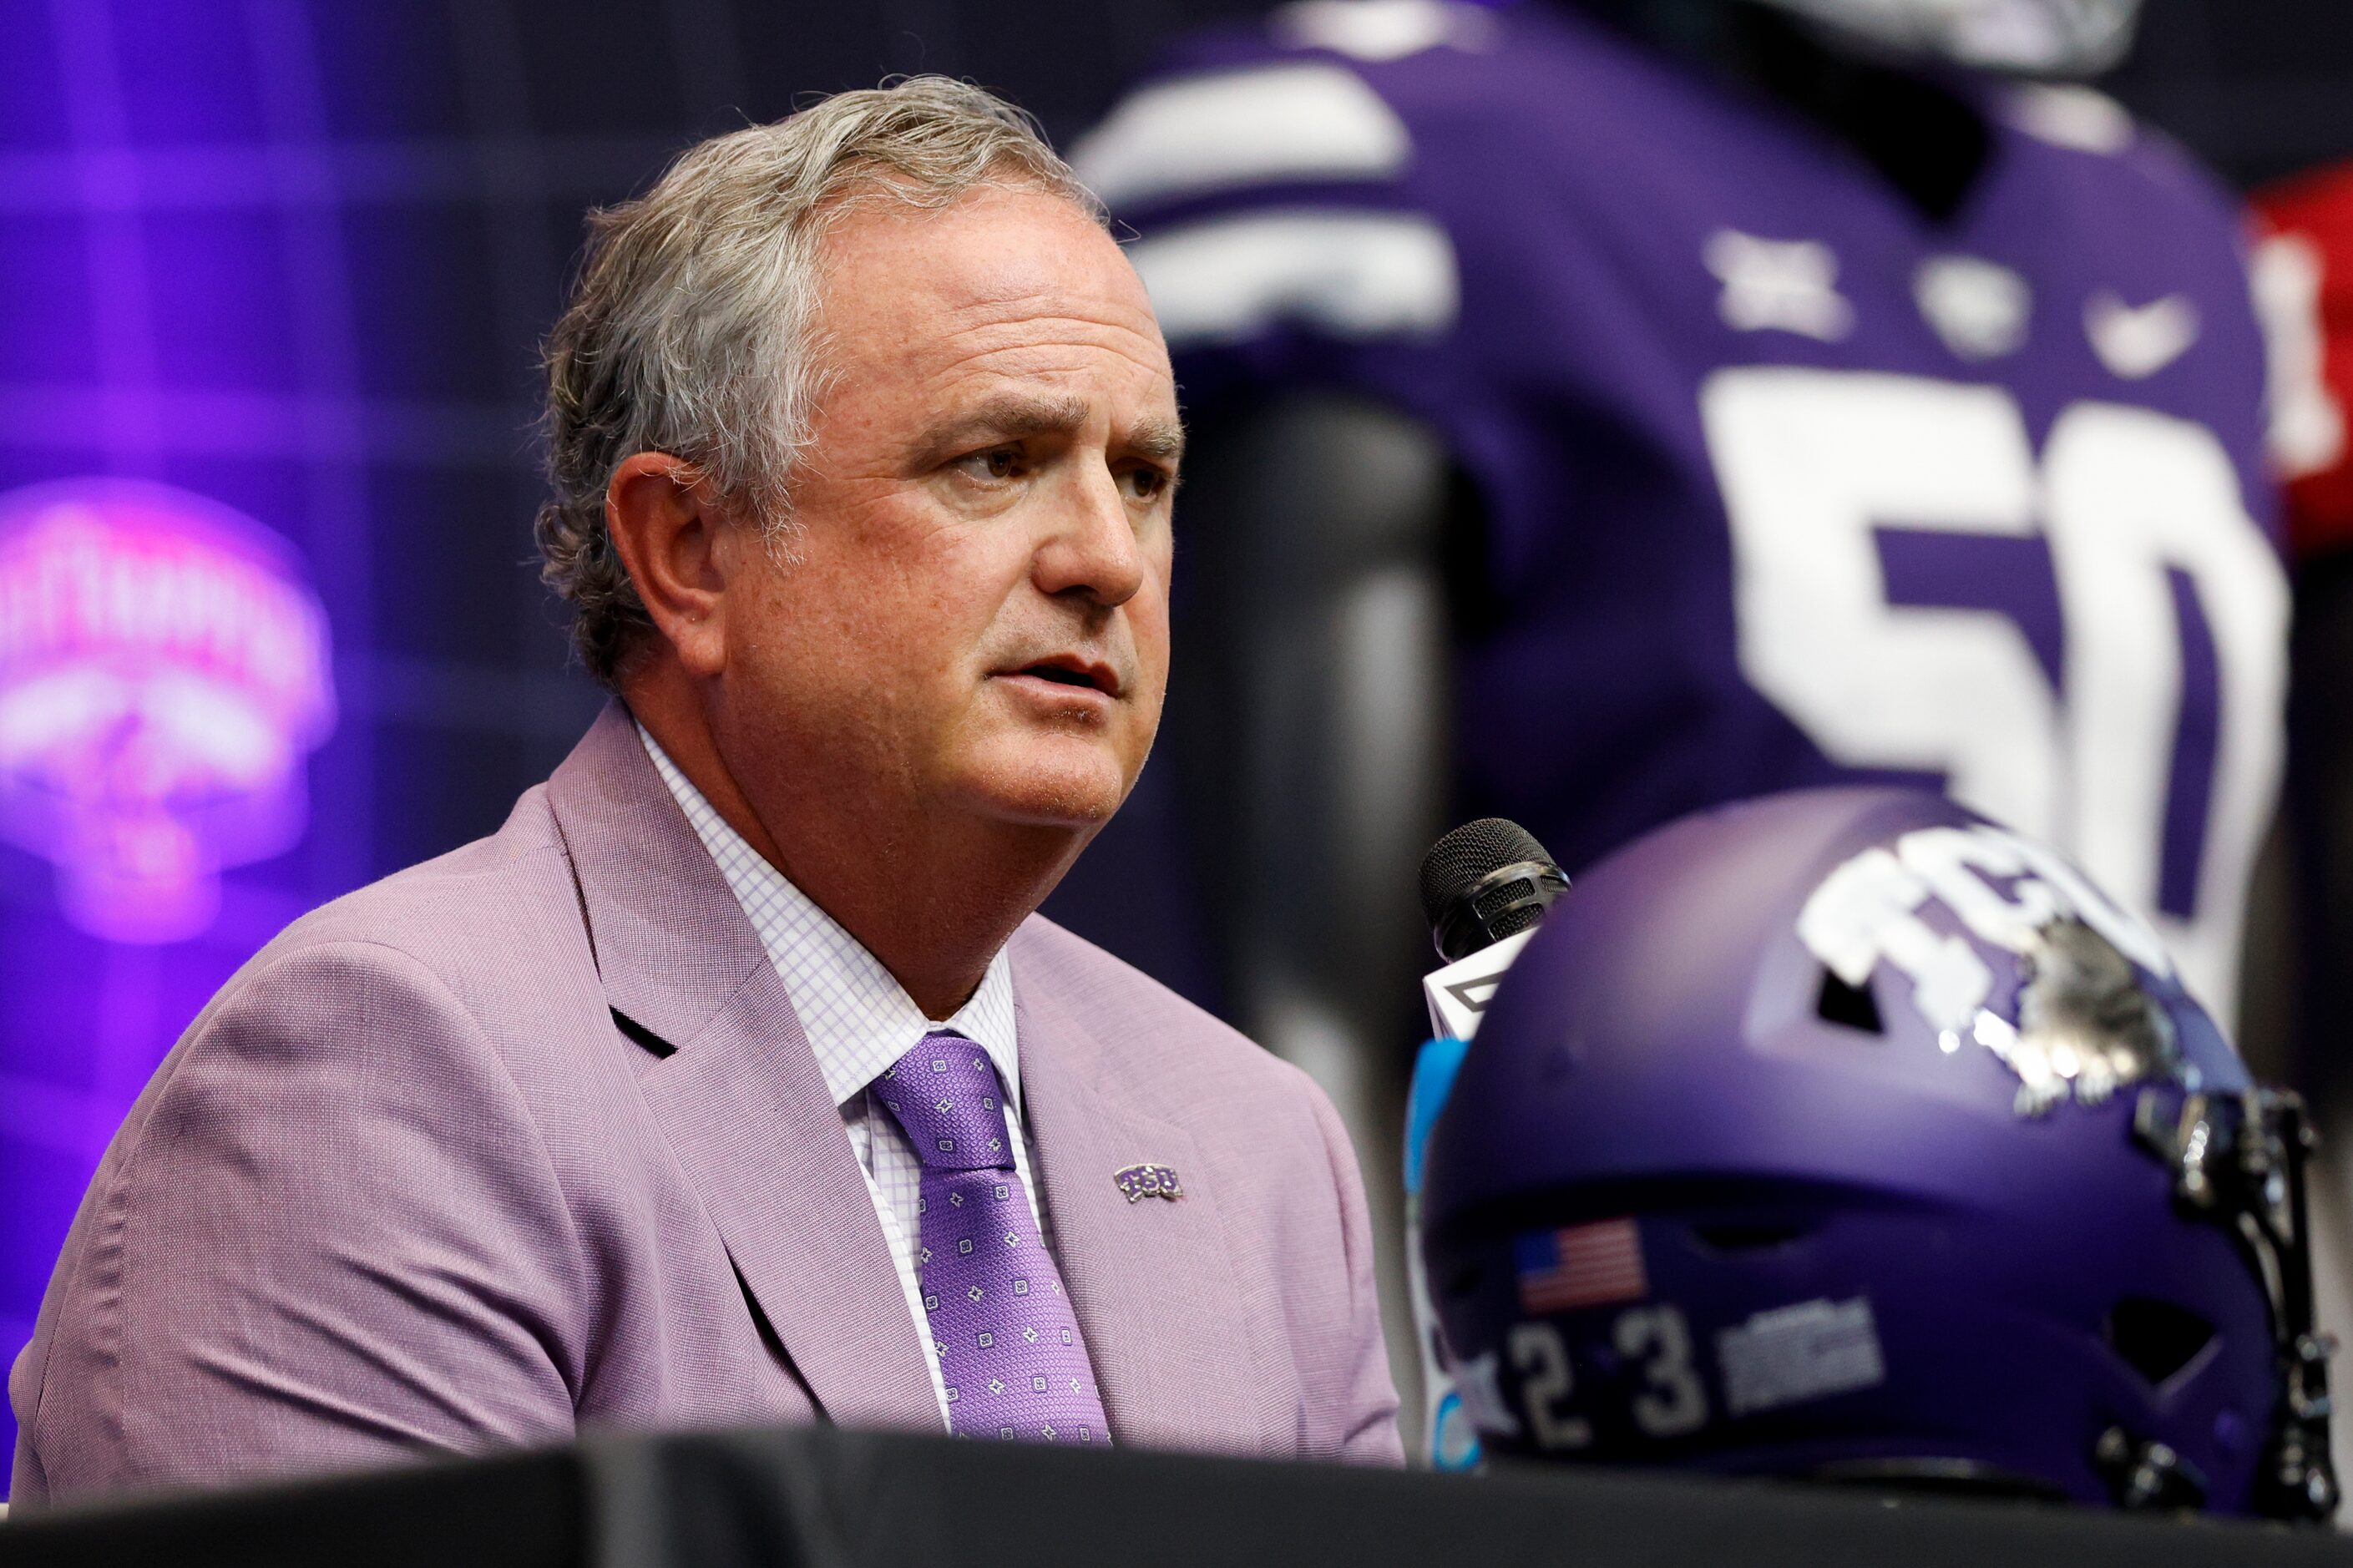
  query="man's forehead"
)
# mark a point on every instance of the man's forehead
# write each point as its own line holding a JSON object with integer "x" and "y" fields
{"x": 994, "y": 264}
{"x": 1051, "y": 364}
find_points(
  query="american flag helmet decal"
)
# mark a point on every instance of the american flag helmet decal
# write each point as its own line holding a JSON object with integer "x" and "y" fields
{"x": 1581, "y": 1266}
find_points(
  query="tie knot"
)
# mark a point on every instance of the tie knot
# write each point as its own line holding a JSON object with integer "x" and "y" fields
{"x": 946, "y": 1095}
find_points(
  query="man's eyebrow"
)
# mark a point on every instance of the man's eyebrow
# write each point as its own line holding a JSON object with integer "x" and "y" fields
{"x": 1160, "y": 440}
{"x": 1015, "y": 415}
{"x": 1009, "y": 418}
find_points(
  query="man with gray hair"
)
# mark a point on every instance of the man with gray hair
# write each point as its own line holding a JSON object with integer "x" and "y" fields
{"x": 735, "y": 1079}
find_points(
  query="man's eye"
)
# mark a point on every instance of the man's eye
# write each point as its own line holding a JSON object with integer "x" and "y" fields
{"x": 1146, "y": 484}
{"x": 996, "y": 463}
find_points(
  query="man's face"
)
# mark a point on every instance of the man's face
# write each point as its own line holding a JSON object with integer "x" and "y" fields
{"x": 972, "y": 614}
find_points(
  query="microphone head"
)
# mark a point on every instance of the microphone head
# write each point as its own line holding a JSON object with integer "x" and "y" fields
{"x": 1484, "y": 882}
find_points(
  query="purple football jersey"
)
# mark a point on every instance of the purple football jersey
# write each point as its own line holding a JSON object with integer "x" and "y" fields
{"x": 1786, "y": 483}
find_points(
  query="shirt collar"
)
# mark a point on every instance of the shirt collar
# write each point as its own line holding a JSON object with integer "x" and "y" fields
{"x": 858, "y": 1017}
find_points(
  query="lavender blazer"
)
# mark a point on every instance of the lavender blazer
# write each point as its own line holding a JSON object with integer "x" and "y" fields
{"x": 526, "y": 1140}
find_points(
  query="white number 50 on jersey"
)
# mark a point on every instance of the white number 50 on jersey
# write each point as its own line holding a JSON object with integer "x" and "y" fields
{"x": 1812, "y": 462}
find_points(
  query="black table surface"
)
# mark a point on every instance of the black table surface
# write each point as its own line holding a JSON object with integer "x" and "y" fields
{"x": 842, "y": 1500}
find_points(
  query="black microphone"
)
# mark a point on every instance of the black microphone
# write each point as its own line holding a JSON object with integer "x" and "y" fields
{"x": 1481, "y": 885}
{"x": 1484, "y": 882}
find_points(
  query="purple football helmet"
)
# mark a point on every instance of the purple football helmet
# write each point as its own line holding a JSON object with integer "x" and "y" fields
{"x": 1844, "y": 1134}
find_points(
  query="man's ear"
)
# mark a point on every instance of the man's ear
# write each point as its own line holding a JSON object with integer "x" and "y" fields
{"x": 666, "y": 526}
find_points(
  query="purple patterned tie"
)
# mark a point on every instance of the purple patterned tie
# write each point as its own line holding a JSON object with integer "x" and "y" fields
{"x": 1008, "y": 1345}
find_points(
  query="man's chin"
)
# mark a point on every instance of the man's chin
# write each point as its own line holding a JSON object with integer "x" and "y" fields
{"x": 1063, "y": 785}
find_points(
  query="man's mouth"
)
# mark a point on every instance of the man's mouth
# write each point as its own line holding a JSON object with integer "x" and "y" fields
{"x": 1072, "y": 670}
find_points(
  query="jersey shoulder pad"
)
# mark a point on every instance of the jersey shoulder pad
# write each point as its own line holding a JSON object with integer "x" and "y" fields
{"x": 1272, "y": 122}
{"x": 2142, "y": 165}
{"x": 1304, "y": 98}
{"x": 1381, "y": 30}
{"x": 1264, "y": 173}
{"x": 2080, "y": 118}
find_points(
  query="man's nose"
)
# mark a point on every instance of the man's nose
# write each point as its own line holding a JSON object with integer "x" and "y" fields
{"x": 1091, "y": 551}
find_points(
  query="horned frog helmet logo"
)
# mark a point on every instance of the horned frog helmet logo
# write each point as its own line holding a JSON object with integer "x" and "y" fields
{"x": 2085, "y": 1024}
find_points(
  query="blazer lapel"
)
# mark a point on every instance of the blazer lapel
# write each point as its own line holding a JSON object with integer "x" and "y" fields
{"x": 1151, "y": 1281}
{"x": 740, "y": 1099}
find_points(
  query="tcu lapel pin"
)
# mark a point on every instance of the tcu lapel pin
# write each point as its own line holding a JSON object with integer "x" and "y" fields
{"x": 1148, "y": 1182}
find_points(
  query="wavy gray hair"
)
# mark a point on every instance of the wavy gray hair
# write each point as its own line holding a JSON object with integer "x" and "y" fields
{"x": 693, "y": 330}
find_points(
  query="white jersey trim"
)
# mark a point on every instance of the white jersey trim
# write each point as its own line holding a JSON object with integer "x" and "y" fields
{"x": 2069, "y": 115}
{"x": 1262, "y": 126}
{"x": 1381, "y": 30}
{"x": 1350, "y": 275}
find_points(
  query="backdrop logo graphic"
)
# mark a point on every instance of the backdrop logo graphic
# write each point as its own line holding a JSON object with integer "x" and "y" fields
{"x": 164, "y": 673}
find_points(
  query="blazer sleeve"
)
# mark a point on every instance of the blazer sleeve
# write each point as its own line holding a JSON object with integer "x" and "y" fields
{"x": 330, "y": 1235}
{"x": 1363, "y": 1398}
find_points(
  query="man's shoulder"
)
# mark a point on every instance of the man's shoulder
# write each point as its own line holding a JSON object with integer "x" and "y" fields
{"x": 477, "y": 918}
{"x": 464, "y": 981}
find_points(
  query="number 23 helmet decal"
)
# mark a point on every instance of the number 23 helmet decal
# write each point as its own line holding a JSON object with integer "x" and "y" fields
{"x": 1844, "y": 1134}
